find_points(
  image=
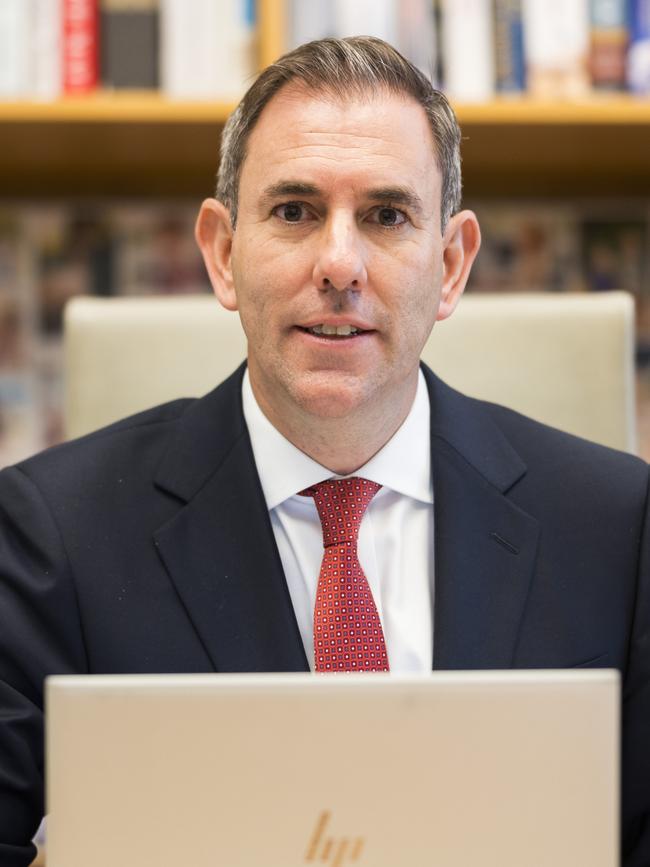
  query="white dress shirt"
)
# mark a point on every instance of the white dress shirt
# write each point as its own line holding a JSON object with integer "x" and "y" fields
{"x": 395, "y": 539}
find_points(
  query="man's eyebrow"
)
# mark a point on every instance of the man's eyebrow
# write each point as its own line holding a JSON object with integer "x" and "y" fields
{"x": 289, "y": 188}
{"x": 382, "y": 195}
{"x": 397, "y": 196}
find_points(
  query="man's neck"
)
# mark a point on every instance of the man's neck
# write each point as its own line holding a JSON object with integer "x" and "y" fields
{"x": 342, "y": 444}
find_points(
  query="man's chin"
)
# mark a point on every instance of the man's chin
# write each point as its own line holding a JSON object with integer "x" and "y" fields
{"x": 332, "y": 397}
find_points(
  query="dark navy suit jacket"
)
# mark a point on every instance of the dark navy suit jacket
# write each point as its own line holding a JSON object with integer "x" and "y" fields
{"x": 147, "y": 547}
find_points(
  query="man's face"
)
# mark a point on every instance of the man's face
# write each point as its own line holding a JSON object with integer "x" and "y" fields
{"x": 337, "y": 257}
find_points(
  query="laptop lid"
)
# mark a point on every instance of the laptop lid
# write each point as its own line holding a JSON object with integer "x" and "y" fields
{"x": 493, "y": 768}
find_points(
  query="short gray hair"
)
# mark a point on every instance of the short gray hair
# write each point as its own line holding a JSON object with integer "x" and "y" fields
{"x": 343, "y": 68}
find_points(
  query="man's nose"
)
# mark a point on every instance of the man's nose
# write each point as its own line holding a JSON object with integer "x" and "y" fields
{"x": 340, "y": 262}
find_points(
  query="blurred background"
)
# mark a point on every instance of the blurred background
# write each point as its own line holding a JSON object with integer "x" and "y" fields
{"x": 111, "y": 111}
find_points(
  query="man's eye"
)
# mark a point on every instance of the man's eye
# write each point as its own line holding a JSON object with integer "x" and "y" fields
{"x": 389, "y": 217}
{"x": 291, "y": 212}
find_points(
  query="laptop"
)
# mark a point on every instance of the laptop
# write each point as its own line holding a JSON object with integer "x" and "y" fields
{"x": 501, "y": 769}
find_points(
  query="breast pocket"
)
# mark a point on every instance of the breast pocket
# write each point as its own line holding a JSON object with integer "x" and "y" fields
{"x": 601, "y": 661}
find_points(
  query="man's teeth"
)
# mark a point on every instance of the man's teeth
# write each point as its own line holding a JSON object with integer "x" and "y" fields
{"x": 339, "y": 330}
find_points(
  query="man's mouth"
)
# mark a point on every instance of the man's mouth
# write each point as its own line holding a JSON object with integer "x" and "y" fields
{"x": 325, "y": 330}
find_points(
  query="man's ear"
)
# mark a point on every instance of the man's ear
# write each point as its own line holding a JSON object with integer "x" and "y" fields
{"x": 213, "y": 233}
{"x": 461, "y": 242}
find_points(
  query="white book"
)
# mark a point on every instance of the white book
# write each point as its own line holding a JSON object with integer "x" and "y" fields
{"x": 309, "y": 20}
{"x": 468, "y": 49}
{"x": 14, "y": 49}
{"x": 417, "y": 35}
{"x": 207, "y": 48}
{"x": 556, "y": 46}
{"x": 47, "y": 49}
{"x": 235, "y": 48}
{"x": 367, "y": 18}
{"x": 409, "y": 25}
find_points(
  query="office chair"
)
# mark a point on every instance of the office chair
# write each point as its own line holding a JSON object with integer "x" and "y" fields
{"x": 566, "y": 360}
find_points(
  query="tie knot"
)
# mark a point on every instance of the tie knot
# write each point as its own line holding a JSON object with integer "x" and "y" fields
{"x": 341, "y": 505}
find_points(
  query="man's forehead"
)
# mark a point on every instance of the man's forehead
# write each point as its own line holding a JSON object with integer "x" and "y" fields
{"x": 381, "y": 131}
{"x": 340, "y": 111}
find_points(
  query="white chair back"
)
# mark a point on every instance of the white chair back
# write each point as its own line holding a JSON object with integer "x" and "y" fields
{"x": 566, "y": 360}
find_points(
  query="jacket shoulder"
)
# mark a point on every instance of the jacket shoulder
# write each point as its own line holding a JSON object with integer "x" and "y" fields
{"x": 569, "y": 470}
{"x": 530, "y": 436}
{"x": 148, "y": 427}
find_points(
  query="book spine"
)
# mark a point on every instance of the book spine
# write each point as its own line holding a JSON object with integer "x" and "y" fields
{"x": 468, "y": 49}
{"x": 368, "y": 17}
{"x": 209, "y": 54}
{"x": 608, "y": 42}
{"x": 80, "y": 46}
{"x": 556, "y": 46}
{"x": 47, "y": 49}
{"x": 638, "y": 63}
{"x": 510, "y": 69}
{"x": 438, "y": 77}
{"x": 308, "y": 21}
{"x": 236, "y": 57}
{"x": 129, "y": 43}
{"x": 417, "y": 35}
{"x": 178, "y": 33}
{"x": 14, "y": 49}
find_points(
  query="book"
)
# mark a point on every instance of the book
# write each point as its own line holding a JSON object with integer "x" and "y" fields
{"x": 608, "y": 42}
{"x": 20, "y": 421}
{"x": 129, "y": 43}
{"x": 527, "y": 247}
{"x": 510, "y": 67}
{"x": 418, "y": 36}
{"x": 155, "y": 251}
{"x": 638, "y": 61}
{"x": 51, "y": 252}
{"x": 14, "y": 48}
{"x": 308, "y": 21}
{"x": 46, "y": 57}
{"x": 367, "y": 18}
{"x": 80, "y": 46}
{"x": 468, "y": 49}
{"x": 207, "y": 48}
{"x": 556, "y": 46}
{"x": 19, "y": 416}
{"x": 408, "y": 25}
{"x": 614, "y": 253}
{"x": 437, "y": 26}
{"x": 614, "y": 244}
{"x": 73, "y": 254}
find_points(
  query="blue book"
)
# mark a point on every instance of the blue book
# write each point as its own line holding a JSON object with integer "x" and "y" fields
{"x": 638, "y": 59}
{"x": 608, "y": 43}
{"x": 510, "y": 66}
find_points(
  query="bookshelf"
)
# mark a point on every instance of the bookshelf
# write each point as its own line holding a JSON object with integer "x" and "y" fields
{"x": 142, "y": 144}
{"x": 597, "y": 147}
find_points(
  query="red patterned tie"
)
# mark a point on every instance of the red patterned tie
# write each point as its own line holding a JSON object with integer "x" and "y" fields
{"x": 347, "y": 629}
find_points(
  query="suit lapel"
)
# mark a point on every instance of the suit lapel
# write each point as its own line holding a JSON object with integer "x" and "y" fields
{"x": 219, "y": 549}
{"x": 220, "y": 552}
{"x": 485, "y": 546}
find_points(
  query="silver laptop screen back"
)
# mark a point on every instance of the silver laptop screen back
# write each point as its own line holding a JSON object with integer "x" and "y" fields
{"x": 492, "y": 768}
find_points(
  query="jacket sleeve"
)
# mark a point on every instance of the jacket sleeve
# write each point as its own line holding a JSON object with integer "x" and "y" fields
{"x": 40, "y": 634}
{"x": 636, "y": 721}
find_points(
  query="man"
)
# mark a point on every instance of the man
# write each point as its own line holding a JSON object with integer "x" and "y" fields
{"x": 190, "y": 537}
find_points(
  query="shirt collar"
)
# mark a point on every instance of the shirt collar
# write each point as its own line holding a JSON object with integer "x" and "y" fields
{"x": 403, "y": 464}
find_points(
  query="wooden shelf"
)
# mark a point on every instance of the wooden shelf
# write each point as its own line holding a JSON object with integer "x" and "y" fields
{"x": 597, "y": 147}
{"x": 144, "y": 144}
{"x": 115, "y": 107}
{"x": 141, "y": 107}
{"x": 521, "y": 111}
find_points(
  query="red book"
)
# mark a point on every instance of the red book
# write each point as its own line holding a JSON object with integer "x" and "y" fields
{"x": 80, "y": 46}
